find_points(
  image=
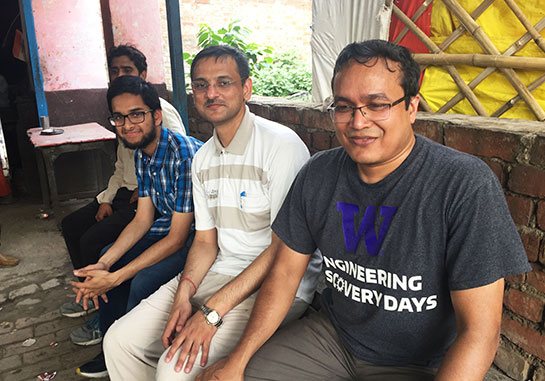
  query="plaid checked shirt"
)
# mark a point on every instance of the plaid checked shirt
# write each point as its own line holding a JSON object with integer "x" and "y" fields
{"x": 166, "y": 177}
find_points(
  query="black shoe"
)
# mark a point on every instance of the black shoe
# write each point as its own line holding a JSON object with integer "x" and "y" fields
{"x": 96, "y": 368}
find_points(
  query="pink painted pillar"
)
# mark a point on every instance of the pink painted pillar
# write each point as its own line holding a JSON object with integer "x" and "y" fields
{"x": 71, "y": 44}
{"x": 138, "y": 23}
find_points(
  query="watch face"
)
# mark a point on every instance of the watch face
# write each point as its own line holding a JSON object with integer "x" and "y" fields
{"x": 213, "y": 317}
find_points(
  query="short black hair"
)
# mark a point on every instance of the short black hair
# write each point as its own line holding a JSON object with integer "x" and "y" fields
{"x": 135, "y": 55}
{"x": 371, "y": 51}
{"x": 134, "y": 85}
{"x": 218, "y": 51}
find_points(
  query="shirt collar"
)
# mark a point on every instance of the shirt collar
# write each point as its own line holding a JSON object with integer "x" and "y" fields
{"x": 241, "y": 138}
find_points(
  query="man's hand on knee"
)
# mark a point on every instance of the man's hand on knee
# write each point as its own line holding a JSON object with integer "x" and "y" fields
{"x": 222, "y": 370}
{"x": 104, "y": 210}
{"x": 195, "y": 334}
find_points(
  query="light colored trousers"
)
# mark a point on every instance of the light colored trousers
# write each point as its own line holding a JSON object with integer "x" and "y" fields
{"x": 132, "y": 345}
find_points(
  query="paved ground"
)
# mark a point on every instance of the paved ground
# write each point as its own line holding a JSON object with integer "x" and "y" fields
{"x": 30, "y": 296}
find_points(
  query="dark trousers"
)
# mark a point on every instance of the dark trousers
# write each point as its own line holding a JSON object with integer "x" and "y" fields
{"x": 128, "y": 294}
{"x": 85, "y": 237}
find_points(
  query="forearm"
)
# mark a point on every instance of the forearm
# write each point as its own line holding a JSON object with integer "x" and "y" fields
{"x": 132, "y": 233}
{"x": 160, "y": 250}
{"x": 273, "y": 302}
{"x": 199, "y": 260}
{"x": 245, "y": 284}
{"x": 469, "y": 357}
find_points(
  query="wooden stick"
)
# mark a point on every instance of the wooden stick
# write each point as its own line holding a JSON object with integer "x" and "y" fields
{"x": 513, "y": 101}
{"x": 481, "y": 60}
{"x": 450, "y": 69}
{"x": 424, "y": 105}
{"x": 529, "y": 27}
{"x": 461, "y": 30}
{"x": 475, "y": 30}
{"x": 415, "y": 17}
{"x": 515, "y": 47}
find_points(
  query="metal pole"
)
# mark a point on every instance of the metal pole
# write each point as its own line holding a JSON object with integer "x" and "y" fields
{"x": 35, "y": 60}
{"x": 177, "y": 60}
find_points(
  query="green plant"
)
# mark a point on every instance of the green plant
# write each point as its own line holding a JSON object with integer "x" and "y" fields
{"x": 286, "y": 76}
{"x": 234, "y": 35}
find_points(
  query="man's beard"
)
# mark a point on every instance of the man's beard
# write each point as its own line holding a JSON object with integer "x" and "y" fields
{"x": 146, "y": 140}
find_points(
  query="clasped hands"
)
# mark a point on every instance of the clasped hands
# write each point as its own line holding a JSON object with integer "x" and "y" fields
{"x": 98, "y": 281}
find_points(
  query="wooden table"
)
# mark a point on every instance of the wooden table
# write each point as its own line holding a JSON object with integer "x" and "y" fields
{"x": 81, "y": 137}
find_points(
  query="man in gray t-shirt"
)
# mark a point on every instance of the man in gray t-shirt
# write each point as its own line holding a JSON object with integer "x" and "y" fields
{"x": 416, "y": 240}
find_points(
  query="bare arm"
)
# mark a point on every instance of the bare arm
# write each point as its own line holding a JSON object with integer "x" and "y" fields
{"x": 100, "y": 281}
{"x": 273, "y": 302}
{"x": 197, "y": 333}
{"x": 478, "y": 314}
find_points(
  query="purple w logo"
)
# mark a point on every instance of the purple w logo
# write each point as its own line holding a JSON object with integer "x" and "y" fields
{"x": 366, "y": 228}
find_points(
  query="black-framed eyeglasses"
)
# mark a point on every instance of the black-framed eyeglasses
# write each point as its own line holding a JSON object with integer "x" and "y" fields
{"x": 135, "y": 117}
{"x": 374, "y": 112}
{"x": 221, "y": 85}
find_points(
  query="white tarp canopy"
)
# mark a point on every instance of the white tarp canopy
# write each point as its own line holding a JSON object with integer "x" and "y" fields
{"x": 335, "y": 24}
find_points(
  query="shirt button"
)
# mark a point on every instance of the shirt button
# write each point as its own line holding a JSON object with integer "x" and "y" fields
{"x": 154, "y": 174}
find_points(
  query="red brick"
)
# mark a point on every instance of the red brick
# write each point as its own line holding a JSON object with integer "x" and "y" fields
{"x": 497, "y": 168}
{"x": 525, "y": 337}
{"x": 317, "y": 119}
{"x": 304, "y": 135}
{"x": 524, "y": 305}
{"x": 286, "y": 114}
{"x": 430, "y": 129}
{"x": 536, "y": 277}
{"x": 531, "y": 241}
{"x": 263, "y": 111}
{"x": 512, "y": 363}
{"x": 537, "y": 152}
{"x": 481, "y": 142}
{"x": 335, "y": 142}
{"x": 527, "y": 180}
{"x": 541, "y": 215}
{"x": 518, "y": 278}
{"x": 521, "y": 209}
{"x": 321, "y": 140}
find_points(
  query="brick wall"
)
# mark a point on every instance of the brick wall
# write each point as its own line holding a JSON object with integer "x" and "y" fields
{"x": 515, "y": 151}
{"x": 281, "y": 24}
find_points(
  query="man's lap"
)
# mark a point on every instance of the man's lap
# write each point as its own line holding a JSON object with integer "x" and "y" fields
{"x": 310, "y": 349}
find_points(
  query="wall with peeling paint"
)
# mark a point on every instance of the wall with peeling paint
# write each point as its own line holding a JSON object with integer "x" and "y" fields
{"x": 138, "y": 22}
{"x": 71, "y": 44}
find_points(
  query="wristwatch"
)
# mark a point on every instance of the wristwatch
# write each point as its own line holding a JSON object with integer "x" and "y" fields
{"x": 212, "y": 317}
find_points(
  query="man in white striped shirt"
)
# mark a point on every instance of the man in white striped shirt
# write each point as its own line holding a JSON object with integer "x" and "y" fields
{"x": 240, "y": 178}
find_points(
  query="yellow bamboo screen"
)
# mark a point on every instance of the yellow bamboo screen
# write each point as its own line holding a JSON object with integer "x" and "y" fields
{"x": 486, "y": 57}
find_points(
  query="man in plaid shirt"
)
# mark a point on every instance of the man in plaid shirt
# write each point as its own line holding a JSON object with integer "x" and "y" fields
{"x": 153, "y": 247}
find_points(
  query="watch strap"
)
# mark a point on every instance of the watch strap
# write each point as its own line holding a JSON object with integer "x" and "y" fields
{"x": 207, "y": 311}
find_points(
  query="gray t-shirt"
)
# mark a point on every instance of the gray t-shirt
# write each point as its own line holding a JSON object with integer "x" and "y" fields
{"x": 395, "y": 249}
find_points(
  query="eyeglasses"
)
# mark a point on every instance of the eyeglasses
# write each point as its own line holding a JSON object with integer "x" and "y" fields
{"x": 221, "y": 85}
{"x": 135, "y": 117}
{"x": 373, "y": 111}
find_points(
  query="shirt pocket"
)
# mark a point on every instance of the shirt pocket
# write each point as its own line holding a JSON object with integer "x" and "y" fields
{"x": 253, "y": 202}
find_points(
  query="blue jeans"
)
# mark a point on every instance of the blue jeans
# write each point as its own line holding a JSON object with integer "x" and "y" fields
{"x": 128, "y": 294}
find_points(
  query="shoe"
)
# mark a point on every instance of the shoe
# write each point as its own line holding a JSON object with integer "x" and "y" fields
{"x": 89, "y": 334}
{"x": 8, "y": 261}
{"x": 96, "y": 368}
{"x": 73, "y": 309}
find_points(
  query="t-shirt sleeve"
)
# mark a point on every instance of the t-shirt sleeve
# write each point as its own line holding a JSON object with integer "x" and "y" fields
{"x": 483, "y": 244}
{"x": 290, "y": 224}
{"x": 287, "y": 161}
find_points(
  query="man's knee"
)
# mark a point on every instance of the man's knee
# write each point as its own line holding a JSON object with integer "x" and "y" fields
{"x": 113, "y": 338}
